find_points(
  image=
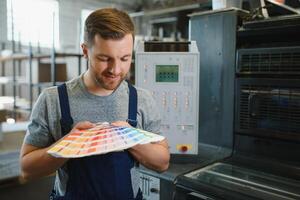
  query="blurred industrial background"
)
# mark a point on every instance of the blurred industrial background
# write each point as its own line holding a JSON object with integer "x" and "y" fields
{"x": 237, "y": 66}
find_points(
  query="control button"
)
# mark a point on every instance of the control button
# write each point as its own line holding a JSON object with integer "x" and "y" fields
{"x": 154, "y": 190}
{"x": 182, "y": 127}
{"x": 164, "y": 102}
{"x": 183, "y": 148}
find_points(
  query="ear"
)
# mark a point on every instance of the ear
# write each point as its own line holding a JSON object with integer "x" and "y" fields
{"x": 84, "y": 50}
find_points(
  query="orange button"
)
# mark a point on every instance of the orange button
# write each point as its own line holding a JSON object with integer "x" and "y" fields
{"x": 184, "y": 148}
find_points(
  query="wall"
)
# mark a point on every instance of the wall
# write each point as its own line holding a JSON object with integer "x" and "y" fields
{"x": 3, "y": 20}
{"x": 70, "y": 18}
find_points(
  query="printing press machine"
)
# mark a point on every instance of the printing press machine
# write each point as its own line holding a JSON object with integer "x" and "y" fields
{"x": 265, "y": 162}
{"x": 214, "y": 105}
{"x": 249, "y": 138}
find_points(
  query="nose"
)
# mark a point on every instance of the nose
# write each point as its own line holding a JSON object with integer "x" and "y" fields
{"x": 115, "y": 67}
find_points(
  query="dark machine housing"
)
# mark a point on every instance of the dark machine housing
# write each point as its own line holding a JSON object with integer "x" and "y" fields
{"x": 265, "y": 160}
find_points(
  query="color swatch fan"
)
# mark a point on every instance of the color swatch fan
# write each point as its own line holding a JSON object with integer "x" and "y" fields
{"x": 101, "y": 139}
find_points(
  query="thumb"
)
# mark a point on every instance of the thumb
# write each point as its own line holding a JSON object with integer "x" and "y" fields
{"x": 84, "y": 125}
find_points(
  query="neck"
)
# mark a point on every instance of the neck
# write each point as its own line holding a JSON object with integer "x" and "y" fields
{"x": 93, "y": 86}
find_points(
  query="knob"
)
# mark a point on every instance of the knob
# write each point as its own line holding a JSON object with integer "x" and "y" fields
{"x": 154, "y": 190}
{"x": 184, "y": 148}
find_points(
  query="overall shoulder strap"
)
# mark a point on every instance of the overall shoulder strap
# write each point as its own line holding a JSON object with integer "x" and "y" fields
{"x": 132, "y": 106}
{"x": 66, "y": 120}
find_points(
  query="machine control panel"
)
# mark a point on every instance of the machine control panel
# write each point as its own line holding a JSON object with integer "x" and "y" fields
{"x": 150, "y": 187}
{"x": 173, "y": 80}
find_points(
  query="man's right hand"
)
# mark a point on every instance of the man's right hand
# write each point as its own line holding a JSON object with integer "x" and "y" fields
{"x": 79, "y": 126}
{"x": 36, "y": 162}
{"x": 82, "y": 125}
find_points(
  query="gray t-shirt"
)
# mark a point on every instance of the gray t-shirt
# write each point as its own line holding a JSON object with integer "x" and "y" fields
{"x": 44, "y": 128}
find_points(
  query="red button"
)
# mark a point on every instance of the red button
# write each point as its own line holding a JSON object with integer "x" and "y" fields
{"x": 184, "y": 148}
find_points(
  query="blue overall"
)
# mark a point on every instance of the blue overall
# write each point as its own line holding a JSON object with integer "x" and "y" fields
{"x": 99, "y": 177}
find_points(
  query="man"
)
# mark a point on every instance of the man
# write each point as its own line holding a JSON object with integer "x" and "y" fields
{"x": 100, "y": 94}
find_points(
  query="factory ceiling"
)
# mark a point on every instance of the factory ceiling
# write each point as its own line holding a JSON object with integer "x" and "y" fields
{"x": 146, "y": 5}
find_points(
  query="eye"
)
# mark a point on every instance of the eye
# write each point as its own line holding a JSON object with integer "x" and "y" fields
{"x": 103, "y": 59}
{"x": 125, "y": 59}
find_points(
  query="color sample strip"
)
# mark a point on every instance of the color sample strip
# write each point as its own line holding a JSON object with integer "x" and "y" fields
{"x": 101, "y": 139}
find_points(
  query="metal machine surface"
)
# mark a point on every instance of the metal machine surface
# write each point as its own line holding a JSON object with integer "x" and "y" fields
{"x": 215, "y": 105}
{"x": 170, "y": 71}
{"x": 237, "y": 182}
{"x": 150, "y": 187}
{"x": 265, "y": 161}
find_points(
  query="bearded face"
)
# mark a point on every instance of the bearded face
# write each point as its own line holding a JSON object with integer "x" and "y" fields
{"x": 109, "y": 61}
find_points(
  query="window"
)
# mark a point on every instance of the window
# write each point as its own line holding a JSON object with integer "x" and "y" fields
{"x": 33, "y": 21}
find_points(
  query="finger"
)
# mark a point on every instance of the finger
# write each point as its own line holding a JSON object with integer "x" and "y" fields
{"x": 84, "y": 125}
{"x": 120, "y": 123}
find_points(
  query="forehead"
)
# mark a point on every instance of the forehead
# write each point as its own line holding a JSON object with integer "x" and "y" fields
{"x": 113, "y": 46}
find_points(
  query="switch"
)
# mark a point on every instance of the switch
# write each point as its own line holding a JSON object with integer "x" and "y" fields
{"x": 164, "y": 102}
{"x": 183, "y": 148}
{"x": 175, "y": 101}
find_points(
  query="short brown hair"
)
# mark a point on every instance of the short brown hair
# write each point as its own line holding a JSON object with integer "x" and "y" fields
{"x": 109, "y": 23}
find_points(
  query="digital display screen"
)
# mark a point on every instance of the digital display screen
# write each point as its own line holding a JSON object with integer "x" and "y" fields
{"x": 166, "y": 73}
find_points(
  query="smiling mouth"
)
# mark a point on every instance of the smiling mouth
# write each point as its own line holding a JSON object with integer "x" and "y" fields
{"x": 111, "y": 77}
